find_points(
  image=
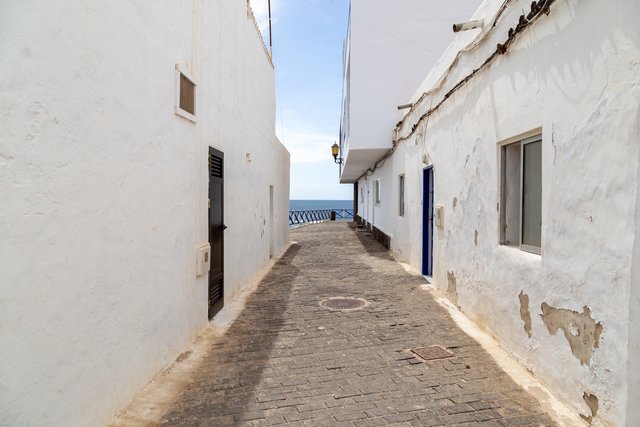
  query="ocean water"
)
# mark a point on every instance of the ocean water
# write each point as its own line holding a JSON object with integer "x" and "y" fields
{"x": 301, "y": 205}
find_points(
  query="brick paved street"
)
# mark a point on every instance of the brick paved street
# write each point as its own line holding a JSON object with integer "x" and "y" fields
{"x": 288, "y": 360}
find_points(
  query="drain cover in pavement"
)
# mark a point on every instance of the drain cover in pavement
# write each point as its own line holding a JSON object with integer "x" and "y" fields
{"x": 343, "y": 303}
{"x": 431, "y": 353}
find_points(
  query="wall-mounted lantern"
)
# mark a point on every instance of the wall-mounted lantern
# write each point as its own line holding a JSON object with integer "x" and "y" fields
{"x": 335, "y": 150}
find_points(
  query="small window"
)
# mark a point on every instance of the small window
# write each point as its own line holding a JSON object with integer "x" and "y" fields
{"x": 187, "y": 95}
{"x": 401, "y": 195}
{"x": 377, "y": 191}
{"x": 521, "y": 195}
{"x": 185, "y": 104}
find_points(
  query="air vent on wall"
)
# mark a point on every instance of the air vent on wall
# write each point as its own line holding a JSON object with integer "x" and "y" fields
{"x": 215, "y": 166}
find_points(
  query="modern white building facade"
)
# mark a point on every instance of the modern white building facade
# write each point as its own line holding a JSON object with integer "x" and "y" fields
{"x": 389, "y": 49}
{"x": 133, "y": 134}
{"x": 512, "y": 184}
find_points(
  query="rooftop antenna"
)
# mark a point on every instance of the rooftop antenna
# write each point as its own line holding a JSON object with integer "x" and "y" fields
{"x": 270, "y": 33}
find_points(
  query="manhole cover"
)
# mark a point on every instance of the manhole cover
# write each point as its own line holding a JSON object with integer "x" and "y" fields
{"x": 343, "y": 303}
{"x": 431, "y": 353}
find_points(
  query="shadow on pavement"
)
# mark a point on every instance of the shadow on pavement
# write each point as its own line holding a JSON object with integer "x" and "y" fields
{"x": 371, "y": 245}
{"x": 235, "y": 364}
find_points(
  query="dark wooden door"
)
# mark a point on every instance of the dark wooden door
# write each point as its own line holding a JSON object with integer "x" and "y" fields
{"x": 355, "y": 200}
{"x": 216, "y": 230}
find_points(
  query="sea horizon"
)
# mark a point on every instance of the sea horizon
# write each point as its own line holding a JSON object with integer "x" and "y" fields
{"x": 309, "y": 204}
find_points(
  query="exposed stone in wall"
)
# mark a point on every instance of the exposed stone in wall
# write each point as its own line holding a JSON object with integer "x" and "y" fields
{"x": 592, "y": 402}
{"x": 451, "y": 287}
{"x": 582, "y": 332}
{"x": 455, "y": 203}
{"x": 475, "y": 239}
{"x": 525, "y": 315}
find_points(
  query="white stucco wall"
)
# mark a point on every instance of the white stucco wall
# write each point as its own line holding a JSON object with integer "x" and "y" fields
{"x": 633, "y": 363}
{"x": 575, "y": 74}
{"x": 103, "y": 192}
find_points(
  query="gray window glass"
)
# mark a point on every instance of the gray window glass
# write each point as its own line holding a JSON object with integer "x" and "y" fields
{"x": 532, "y": 194}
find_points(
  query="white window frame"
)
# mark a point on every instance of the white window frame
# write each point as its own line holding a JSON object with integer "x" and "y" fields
{"x": 502, "y": 219}
{"x": 376, "y": 192}
{"x": 181, "y": 71}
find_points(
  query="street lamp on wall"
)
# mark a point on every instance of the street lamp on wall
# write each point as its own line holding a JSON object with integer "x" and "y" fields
{"x": 335, "y": 150}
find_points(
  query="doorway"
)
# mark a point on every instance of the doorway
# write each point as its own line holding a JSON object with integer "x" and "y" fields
{"x": 271, "y": 222}
{"x": 216, "y": 231}
{"x": 355, "y": 201}
{"x": 427, "y": 221}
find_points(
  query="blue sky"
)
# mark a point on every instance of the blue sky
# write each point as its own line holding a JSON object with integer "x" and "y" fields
{"x": 308, "y": 36}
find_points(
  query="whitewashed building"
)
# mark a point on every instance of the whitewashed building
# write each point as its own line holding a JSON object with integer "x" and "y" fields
{"x": 512, "y": 184}
{"x": 133, "y": 134}
{"x": 390, "y": 47}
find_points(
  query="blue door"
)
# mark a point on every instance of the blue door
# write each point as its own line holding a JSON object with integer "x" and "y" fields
{"x": 427, "y": 221}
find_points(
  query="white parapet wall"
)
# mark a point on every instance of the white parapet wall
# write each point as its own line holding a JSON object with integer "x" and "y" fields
{"x": 104, "y": 192}
{"x": 573, "y": 76}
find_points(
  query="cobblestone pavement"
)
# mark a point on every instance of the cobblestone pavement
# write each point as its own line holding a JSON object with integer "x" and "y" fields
{"x": 287, "y": 360}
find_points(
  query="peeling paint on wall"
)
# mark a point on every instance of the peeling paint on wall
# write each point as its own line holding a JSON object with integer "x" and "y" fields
{"x": 525, "y": 315}
{"x": 451, "y": 287}
{"x": 592, "y": 402}
{"x": 575, "y": 105}
{"x": 582, "y": 332}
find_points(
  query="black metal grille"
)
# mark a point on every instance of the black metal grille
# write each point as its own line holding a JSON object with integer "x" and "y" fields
{"x": 432, "y": 352}
{"x": 215, "y": 166}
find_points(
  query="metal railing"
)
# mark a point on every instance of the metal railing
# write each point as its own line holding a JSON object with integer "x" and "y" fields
{"x": 297, "y": 218}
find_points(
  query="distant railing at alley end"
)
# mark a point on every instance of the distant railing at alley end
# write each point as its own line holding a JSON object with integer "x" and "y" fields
{"x": 312, "y": 216}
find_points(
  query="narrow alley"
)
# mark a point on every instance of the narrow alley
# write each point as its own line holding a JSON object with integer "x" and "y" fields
{"x": 287, "y": 359}
{"x": 320, "y": 213}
